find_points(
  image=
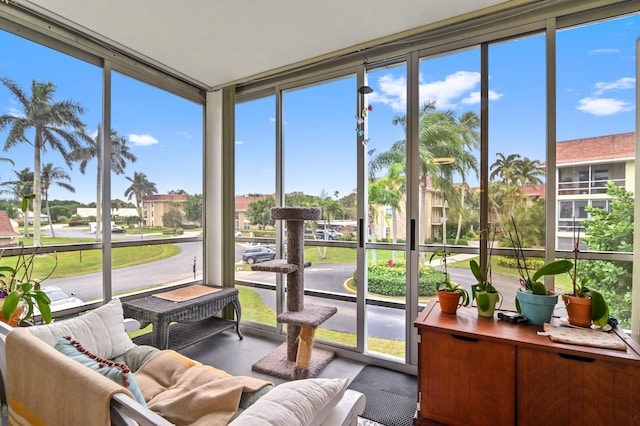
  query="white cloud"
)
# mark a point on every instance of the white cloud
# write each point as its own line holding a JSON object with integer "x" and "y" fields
{"x": 446, "y": 92}
{"x": 239, "y": 142}
{"x": 603, "y": 106}
{"x": 142, "y": 140}
{"x": 621, "y": 83}
{"x": 607, "y": 106}
{"x": 183, "y": 134}
{"x": 474, "y": 97}
{"x": 14, "y": 112}
{"x": 598, "y": 51}
{"x": 456, "y": 88}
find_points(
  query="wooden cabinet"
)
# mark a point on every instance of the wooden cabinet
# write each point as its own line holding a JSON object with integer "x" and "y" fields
{"x": 481, "y": 371}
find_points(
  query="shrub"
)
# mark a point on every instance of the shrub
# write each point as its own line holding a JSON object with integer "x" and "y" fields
{"x": 389, "y": 279}
{"x": 510, "y": 262}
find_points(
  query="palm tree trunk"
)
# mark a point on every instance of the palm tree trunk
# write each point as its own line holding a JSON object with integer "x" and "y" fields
{"x": 46, "y": 204}
{"x": 423, "y": 218}
{"x": 394, "y": 231}
{"x": 99, "y": 200}
{"x": 37, "y": 201}
{"x": 462, "y": 191}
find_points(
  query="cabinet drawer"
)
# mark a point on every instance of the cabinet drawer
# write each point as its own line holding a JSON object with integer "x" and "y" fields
{"x": 565, "y": 389}
{"x": 466, "y": 381}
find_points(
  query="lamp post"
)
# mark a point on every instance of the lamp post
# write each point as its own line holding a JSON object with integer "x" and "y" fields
{"x": 194, "y": 268}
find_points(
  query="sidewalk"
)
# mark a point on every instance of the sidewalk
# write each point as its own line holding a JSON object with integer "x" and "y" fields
{"x": 451, "y": 259}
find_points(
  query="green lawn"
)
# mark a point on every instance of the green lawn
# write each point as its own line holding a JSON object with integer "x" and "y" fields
{"x": 90, "y": 261}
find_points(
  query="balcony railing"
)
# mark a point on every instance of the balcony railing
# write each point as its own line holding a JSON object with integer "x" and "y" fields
{"x": 587, "y": 187}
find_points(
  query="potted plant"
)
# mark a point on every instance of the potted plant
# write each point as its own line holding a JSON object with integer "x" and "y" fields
{"x": 450, "y": 295}
{"x": 19, "y": 290}
{"x": 483, "y": 291}
{"x": 585, "y": 305}
{"x": 533, "y": 300}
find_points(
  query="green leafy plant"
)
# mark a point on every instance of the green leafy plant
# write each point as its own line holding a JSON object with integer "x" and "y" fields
{"x": 483, "y": 275}
{"x": 599, "y": 306}
{"x": 17, "y": 283}
{"x": 528, "y": 279}
{"x": 446, "y": 284}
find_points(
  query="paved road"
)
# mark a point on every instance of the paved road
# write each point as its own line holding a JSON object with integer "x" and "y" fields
{"x": 381, "y": 322}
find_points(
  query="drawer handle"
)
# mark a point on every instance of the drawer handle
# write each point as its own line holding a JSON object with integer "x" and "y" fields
{"x": 465, "y": 338}
{"x": 576, "y": 358}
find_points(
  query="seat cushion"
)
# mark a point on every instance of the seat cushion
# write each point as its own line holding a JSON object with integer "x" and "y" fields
{"x": 101, "y": 331}
{"x": 305, "y": 402}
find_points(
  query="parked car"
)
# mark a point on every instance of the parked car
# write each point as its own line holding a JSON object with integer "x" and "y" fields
{"x": 332, "y": 235}
{"x": 117, "y": 229}
{"x": 258, "y": 254}
{"x": 60, "y": 299}
{"x": 238, "y": 234}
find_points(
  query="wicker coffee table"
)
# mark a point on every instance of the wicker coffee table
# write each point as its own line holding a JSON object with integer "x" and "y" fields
{"x": 195, "y": 318}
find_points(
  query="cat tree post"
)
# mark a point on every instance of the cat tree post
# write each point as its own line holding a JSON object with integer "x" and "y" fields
{"x": 296, "y": 358}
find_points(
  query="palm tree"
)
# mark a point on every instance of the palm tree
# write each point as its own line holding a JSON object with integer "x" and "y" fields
{"x": 50, "y": 121}
{"x": 21, "y": 187}
{"x": 528, "y": 172}
{"x": 119, "y": 156}
{"x": 441, "y": 135}
{"x": 395, "y": 182}
{"x": 140, "y": 188}
{"x": 53, "y": 175}
{"x": 379, "y": 195}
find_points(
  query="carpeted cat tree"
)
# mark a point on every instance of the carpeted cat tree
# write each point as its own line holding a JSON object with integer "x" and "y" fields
{"x": 296, "y": 359}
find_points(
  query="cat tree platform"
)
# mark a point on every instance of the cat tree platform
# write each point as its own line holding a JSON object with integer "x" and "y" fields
{"x": 296, "y": 359}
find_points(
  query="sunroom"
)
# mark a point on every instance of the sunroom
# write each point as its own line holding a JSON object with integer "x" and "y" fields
{"x": 235, "y": 108}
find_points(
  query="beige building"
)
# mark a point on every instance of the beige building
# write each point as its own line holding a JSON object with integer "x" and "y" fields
{"x": 584, "y": 166}
{"x": 155, "y": 206}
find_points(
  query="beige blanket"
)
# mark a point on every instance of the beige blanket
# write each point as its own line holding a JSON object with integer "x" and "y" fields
{"x": 186, "y": 392}
{"x": 46, "y": 387}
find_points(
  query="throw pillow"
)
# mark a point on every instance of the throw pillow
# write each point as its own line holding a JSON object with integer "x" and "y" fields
{"x": 101, "y": 331}
{"x": 116, "y": 371}
{"x": 305, "y": 402}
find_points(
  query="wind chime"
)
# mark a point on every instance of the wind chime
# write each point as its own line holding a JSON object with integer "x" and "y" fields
{"x": 362, "y": 113}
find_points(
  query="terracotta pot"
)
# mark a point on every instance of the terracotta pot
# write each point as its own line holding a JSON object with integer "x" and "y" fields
{"x": 449, "y": 301}
{"x": 15, "y": 318}
{"x": 578, "y": 310}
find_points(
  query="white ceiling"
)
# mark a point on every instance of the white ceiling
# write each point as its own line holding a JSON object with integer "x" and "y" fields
{"x": 214, "y": 42}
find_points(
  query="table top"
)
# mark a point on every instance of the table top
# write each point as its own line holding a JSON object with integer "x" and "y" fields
{"x": 162, "y": 306}
{"x": 467, "y": 323}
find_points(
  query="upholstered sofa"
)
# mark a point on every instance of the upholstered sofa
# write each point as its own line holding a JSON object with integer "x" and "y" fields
{"x": 86, "y": 370}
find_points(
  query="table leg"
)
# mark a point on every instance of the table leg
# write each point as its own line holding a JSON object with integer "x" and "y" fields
{"x": 236, "y": 306}
{"x": 160, "y": 336}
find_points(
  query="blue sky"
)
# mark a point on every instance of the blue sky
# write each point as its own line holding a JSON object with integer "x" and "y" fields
{"x": 595, "y": 96}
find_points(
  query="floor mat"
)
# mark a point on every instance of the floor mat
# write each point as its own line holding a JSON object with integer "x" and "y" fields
{"x": 391, "y": 396}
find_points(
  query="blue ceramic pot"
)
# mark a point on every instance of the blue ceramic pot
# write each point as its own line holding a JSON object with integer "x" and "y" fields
{"x": 536, "y": 307}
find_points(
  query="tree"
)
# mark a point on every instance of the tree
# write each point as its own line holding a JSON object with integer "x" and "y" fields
{"x": 140, "y": 188}
{"x": 53, "y": 175}
{"x": 379, "y": 195}
{"x": 193, "y": 208}
{"x": 120, "y": 154}
{"x": 511, "y": 174}
{"x": 21, "y": 188}
{"x": 611, "y": 230}
{"x": 173, "y": 218}
{"x": 441, "y": 136}
{"x": 55, "y": 125}
{"x": 259, "y": 211}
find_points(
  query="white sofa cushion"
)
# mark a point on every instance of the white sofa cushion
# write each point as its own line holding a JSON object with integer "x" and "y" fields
{"x": 100, "y": 331}
{"x": 297, "y": 403}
